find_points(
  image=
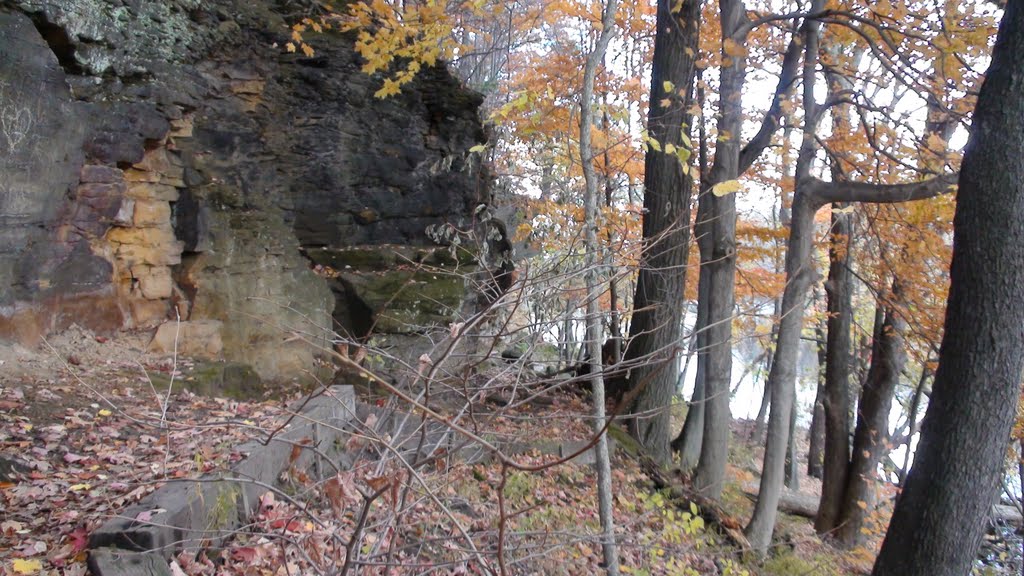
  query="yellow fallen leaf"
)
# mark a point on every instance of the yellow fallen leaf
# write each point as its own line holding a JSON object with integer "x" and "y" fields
{"x": 79, "y": 487}
{"x": 104, "y": 412}
{"x": 22, "y": 566}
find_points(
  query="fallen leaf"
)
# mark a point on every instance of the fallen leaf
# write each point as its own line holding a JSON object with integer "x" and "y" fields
{"x": 22, "y": 566}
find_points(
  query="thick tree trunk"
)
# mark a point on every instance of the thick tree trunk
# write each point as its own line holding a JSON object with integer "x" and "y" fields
{"x": 939, "y": 519}
{"x": 870, "y": 440}
{"x": 656, "y": 325}
{"x": 838, "y": 288}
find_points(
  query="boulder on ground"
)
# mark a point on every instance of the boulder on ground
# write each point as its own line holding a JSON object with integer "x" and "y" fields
{"x": 197, "y": 338}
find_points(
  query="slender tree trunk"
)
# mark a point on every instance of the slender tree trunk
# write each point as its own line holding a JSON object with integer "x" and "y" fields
{"x": 761, "y": 420}
{"x": 615, "y": 328}
{"x": 782, "y": 378}
{"x": 816, "y": 450}
{"x": 655, "y": 328}
{"x": 915, "y": 406}
{"x": 939, "y": 519}
{"x": 799, "y": 276}
{"x": 870, "y": 440}
{"x": 762, "y": 411}
{"x": 792, "y": 462}
{"x": 593, "y": 281}
{"x": 568, "y": 343}
{"x": 838, "y": 288}
{"x": 689, "y": 441}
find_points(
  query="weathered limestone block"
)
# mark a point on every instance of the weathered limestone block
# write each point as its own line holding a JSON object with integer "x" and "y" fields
{"x": 143, "y": 190}
{"x": 155, "y": 282}
{"x": 126, "y": 214}
{"x": 200, "y": 338}
{"x": 156, "y": 236}
{"x": 151, "y": 213}
{"x": 253, "y": 280}
{"x": 148, "y": 313}
{"x": 168, "y": 254}
{"x": 160, "y": 165}
{"x": 100, "y": 174}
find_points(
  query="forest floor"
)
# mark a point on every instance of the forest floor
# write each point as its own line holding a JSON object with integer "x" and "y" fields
{"x": 88, "y": 427}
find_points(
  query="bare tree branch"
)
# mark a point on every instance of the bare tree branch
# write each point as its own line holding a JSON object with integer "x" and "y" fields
{"x": 821, "y": 192}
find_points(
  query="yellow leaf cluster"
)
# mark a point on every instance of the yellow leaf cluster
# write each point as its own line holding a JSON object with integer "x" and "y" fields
{"x": 414, "y": 35}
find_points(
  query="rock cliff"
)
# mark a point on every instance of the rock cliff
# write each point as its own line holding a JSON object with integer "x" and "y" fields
{"x": 164, "y": 160}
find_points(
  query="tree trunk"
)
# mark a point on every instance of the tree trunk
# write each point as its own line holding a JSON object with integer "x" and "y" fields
{"x": 838, "y": 288}
{"x": 870, "y": 440}
{"x": 939, "y": 519}
{"x": 816, "y": 450}
{"x": 615, "y": 327}
{"x": 792, "y": 462}
{"x": 915, "y": 405}
{"x": 593, "y": 282}
{"x": 782, "y": 378}
{"x": 689, "y": 441}
{"x": 720, "y": 263}
{"x": 762, "y": 411}
{"x": 799, "y": 276}
{"x": 656, "y": 325}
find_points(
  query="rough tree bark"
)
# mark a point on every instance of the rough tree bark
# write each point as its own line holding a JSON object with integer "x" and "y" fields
{"x": 913, "y": 424}
{"x": 870, "y": 437}
{"x": 655, "y": 330}
{"x": 593, "y": 281}
{"x": 689, "y": 441}
{"x": 799, "y": 275}
{"x": 939, "y": 519}
{"x": 718, "y": 217}
{"x": 718, "y": 261}
{"x": 816, "y": 449}
{"x": 838, "y": 288}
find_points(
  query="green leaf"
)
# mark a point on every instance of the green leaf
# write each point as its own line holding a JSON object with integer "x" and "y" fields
{"x": 684, "y": 156}
{"x": 478, "y": 148}
{"x": 668, "y": 85}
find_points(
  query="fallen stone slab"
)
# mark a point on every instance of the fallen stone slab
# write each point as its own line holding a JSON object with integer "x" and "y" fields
{"x": 196, "y": 513}
{"x": 114, "y": 562}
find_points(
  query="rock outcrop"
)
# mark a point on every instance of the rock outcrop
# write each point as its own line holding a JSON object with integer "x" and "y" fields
{"x": 166, "y": 161}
